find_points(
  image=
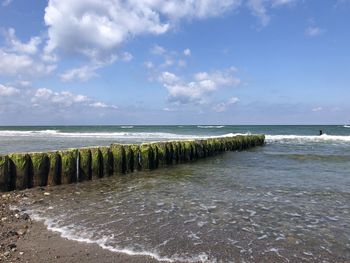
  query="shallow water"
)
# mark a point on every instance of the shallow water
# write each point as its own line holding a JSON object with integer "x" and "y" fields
{"x": 289, "y": 200}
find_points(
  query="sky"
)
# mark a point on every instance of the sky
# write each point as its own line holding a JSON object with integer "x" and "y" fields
{"x": 105, "y": 62}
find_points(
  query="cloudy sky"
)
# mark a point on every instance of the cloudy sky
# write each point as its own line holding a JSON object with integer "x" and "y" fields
{"x": 174, "y": 62}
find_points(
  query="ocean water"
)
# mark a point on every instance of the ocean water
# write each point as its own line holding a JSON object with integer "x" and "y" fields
{"x": 288, "y": 201}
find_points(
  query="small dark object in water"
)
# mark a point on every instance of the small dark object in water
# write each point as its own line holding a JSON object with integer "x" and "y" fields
{"x": 321, "y": 132}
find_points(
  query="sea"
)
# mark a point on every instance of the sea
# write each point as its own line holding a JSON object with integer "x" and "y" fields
{"x": 287, "y": 201}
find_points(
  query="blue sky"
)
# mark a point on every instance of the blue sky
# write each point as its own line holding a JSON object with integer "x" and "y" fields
{"x": 174, "y": 62}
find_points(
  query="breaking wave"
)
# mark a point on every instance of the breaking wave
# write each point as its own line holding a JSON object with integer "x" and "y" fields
{"x": 210, "y": 126}
{"x": 307, "y": 138}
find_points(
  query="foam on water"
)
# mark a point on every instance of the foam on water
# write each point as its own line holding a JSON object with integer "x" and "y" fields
{"x": 76, "y": 233}
{"x": 112, "y": 135}
{"x": 307, "y": 138}
{"x": 210, "y": 126}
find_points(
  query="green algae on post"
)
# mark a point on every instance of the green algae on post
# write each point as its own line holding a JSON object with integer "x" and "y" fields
{"x": 96, "y": 163}
{"x": 20, "y": 169}
{"x": 5, "y": 179}
{"x": 84, "y": 165}
{"x": 137, "y": 156}
{"x": 129, "y": 159}
{"x": 69, "y": 166}
{"x": 40, "y": 168}
{"x": 107, "y": 161}
{"x": 119, "y": 163}
{"x": 147, "y": 157}
{"x": 54, "y": 176}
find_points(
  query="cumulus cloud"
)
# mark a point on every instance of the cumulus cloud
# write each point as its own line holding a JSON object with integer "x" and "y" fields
{"x": 94, "y": 27}
{"x": 223, "y": 106}
{"x": 31, "y": 47}
{"x": 22, "y": 64}
{"x": 21, "y": 59}
{"x": 7, "y": 91}
{"x": 199, "y": 88}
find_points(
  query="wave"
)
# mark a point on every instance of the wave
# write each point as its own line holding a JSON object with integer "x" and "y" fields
{"x": 307, "y": 138}
{"x": 107, "y": 135}
{"x": 346, "y": 126}
{"x": 127, "y": 127}
{"x": 78, "y": 234}
{"x": 210, "y": 126}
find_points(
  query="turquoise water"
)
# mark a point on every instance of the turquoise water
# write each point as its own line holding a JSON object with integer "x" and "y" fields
{"x": 288, "y": 201}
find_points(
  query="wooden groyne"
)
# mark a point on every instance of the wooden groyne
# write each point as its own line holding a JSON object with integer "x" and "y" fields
{"x": 26, "y": 170}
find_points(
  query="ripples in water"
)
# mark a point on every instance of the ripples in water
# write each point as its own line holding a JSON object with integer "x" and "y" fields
{"x": 239, "y": 207}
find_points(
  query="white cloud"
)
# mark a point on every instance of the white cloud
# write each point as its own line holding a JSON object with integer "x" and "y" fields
{"x": 198, "y": 89}
{"x": 99, "y": 104}
{"x": 7, "y": 91}
{"x": 17, "y": 46}
{"x": 64, "y": 99}
{"x": 187, "y": 52}
{"x": 317, "y": 109}
{"x": 313, "y": 31}
{"x": 22, "y": 59}
{"x": 83, "y": 73}
{"x": 61, "y": 99}
{"x": 22, "y": 64}
{"x": 98, "y": 28}
{"x": 221, "y": 107}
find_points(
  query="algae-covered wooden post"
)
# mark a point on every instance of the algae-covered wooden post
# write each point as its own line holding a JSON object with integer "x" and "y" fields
{"x": 162, "y": 154}
{"x": 84, "y": 165}
{"x": 96, "y": 163}
{"x": 147, "y": 157}
{"x": 20, "y": 169}
{"x": 69, "y": 166}
{"x": 129, "y": 159}
{"x": 119, "y": 163}
{"x": 107, "y": 161}
{"x": 54, "y": 176}
{"x": 5, "y": 179}
{"x": 137, "y": 156}
{"x": 40, "y": 168}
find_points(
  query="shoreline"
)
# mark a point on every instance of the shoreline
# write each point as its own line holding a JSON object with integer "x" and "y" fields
{"x": 25, "y": 240}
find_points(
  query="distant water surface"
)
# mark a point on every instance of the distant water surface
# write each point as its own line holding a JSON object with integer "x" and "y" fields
{"x": 46, "y": 138}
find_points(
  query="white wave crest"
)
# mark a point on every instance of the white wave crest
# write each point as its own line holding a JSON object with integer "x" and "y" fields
{"x": 346, "y": 126}
{"x": 307, "y": 138}
{"x": 110, "y": 135}
{"x": 127, "y": 127}
{"x": 210, "y": 126}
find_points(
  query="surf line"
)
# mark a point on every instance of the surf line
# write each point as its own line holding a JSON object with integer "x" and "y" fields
{"x": 26, "y": 170}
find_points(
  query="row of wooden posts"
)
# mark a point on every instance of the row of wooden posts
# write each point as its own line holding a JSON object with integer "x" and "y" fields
{"x": 25, "y": 170}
